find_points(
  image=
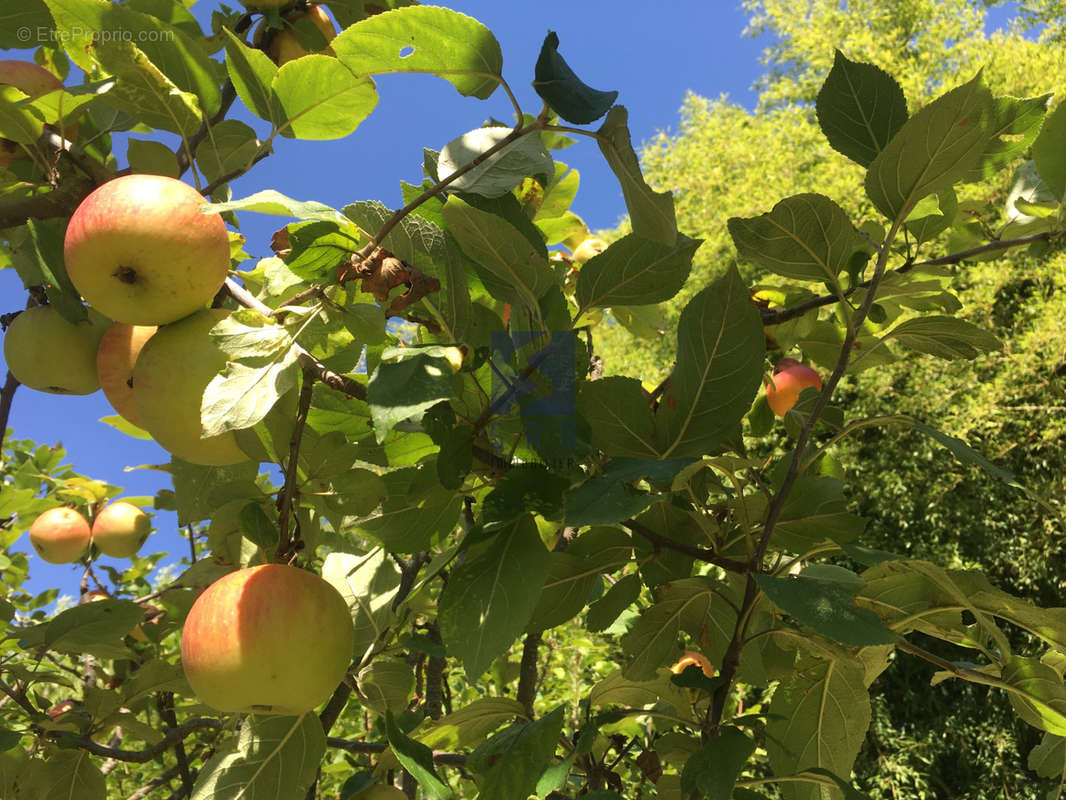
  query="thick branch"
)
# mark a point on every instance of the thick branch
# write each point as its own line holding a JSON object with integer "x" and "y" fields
{"x": 527, "y": 672}
{"x": 7, "y": 395}
{"x": 165, "y": 704}
{"x": 698, "y": 553}
{"x": 141, "y": 756}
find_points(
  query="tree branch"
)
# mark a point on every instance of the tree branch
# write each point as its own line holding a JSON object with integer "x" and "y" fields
{"x": 373, "y": 748}
{"x": 287, "y": 544}
{"x": 165, "y": 704}
{"x": 527, "y": 672}
{"x": 141, "y": 756}
{"x": 698, "y": 553}
{"x": 7, "y": 396}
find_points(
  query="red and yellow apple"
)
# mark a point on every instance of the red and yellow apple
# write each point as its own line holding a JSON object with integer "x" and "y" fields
{"x": 115, "y": 357}
{"x": 139, "y": 250}
{"x": 33, "y": 81}
{"x": 120, "y": 529}
{"x": 169, "y": 379}
{"x": 285, "y": 46}
{"x": 49, "y": 354}
{"x": 60, "y": 535}
{"x": 269, "y": 639}
{"x": 790, "y": 379}
{"x": 692, "y": 658}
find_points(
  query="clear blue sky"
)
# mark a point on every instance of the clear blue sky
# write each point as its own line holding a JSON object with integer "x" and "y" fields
{"x": 651, "y": 53}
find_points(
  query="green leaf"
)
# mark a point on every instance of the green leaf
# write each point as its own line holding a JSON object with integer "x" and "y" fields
{"x": 320, "y": 99}
{"x": 415, "y": 240}
{"x": 652, "y": 641}
{"x": 713, "y": 771}
{"x": 252, "y": 73}
{"x": 272, "y": 757}
{"x": 933, "y": 150}
{"x": 17, "y": 122}
{"x": 242, "y": 394}
{"x": 319, "y": 247}
{"x": 525, "y": 488}
{"x": 151, "y": 157}
{"x": 720, "y": 346}
{"x": 814, "y": 511}
{"x": 618, "y": 413}
{"x": 807, "y": 237}
{"x": 144, "y": 92}
{"x": 1048, "y": 759}
{"x": 399, "y": 390}
{"x": 1017, "y": 125}
{"x": 229, "y": 146}
{"x": 565, "y": 93}
{"x": 71, "y": 773}
{"x": 1037, "y": 693}
{"x": 860, "y": 108}
{"x": 415, "y": 510}
{"x": 385, "y": 685}
{"x": 1049, "y": 152}
{"x": 617, "y": 599}
{"x": 469, "y": 725}
{"x": 248, "y": 334}
{"x": 368, "y": 584}
{"x": 568, "y": 586}
{"x": 617, "y": 690}
{"x": 604, "y": 500}
{"x": 94, "y": 628}
{"x": 500, "y": 172}
{"x": 520, "y": 273}
{"x": 651, "y": 212}
{"x": 635, "y": 271}
{"x": 818, "y": 718}
{"x": 967, "y": 455}
{"x": 424, "y": 39}
{"x": 46, "y": 250}
{"x": 491, "y": 595}
{"x": 520, "y": 757}
{"x": 269, "y": 201}
{"x": 20, "y": 16}
{"x": 828, "y": 608}
{"x": 257, "y": 527}
{"x": 944, "y": 337}
{"x": 416, "y": 759}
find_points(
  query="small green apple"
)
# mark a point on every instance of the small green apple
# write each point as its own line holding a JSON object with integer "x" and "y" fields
{"x": 268, "y": 639}
{"x": 49, "y": 354}
{"x": 169, "y": 379}
{"x": 285, "y": 45}
{"x": 591, "y": 246}
{"x": 60, "y": 535}
{"x": 120, "y": 529}
{"x": 790, "y": 379}
{"x": 140, "y": 251}
{"x": 115, "y": 357}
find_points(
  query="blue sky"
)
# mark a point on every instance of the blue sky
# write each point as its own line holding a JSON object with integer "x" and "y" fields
{"x": 651, "y": 53}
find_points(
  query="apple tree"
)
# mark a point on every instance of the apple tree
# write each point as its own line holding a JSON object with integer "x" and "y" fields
{"x": 403, "y": 414}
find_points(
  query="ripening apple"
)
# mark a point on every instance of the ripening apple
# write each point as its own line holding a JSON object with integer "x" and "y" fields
{"x": 139, "y": 250}
{"x": 33, "y": 81}
{"x": 115, "y": 357}
{"x": 60, "y": 535}
{"x": 169, "y": 379}
{"x": 590, "y": 247}
{"x": 693, "y": 658}
{"x": 269, "y": 639}
{"x": 120, "y": 529}
{"x": 790, "y": 379}
{"x": 49, "y": 354}
{"x": 285, "y": 45}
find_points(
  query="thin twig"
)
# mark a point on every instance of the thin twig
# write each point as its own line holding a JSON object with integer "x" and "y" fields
{"x": 373, "y": 748}
{"x": 155, "y": 783}
{"x": 287, "y": 544}
{"x": 165, "y": 704}
{"x": 527, "y": 672}
{"x": 698, "y": 553}
{"x": 140, "y": 756}
{"x": 7, "y": 395}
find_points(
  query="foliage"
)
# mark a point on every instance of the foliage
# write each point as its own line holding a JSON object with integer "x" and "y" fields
{"x": 479, "y": 483}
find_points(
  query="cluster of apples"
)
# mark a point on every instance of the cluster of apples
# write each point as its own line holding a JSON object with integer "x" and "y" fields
{"x": 148, "y": 263}
{"x": 63, "y": 535}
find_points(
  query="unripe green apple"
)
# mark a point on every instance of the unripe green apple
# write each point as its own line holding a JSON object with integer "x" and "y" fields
{"x": 139, "y": 250}
{"x": 269, "y": 639}
{"x": 790, "y": 379}
{"x": 591, "y": 246}
{"x": 120, "y": 529}
{"x": 49, "y": 354}
{"x": 285, "y": 44}
{"x": 115, "y": 357}
{"x": 169, "y": 379}
{"x": 60, "y": 535}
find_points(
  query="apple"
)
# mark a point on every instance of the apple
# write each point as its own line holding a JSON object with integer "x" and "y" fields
{"x": 270, "y": 639}
{"x": 790, "y": 379}
{"x": 33, "y": 81}
{"x": 693, "y": 658}
{"x": 60, "y": 535}
{"x": 285, "y": 45}
{"x": 591, "y": 246}
{"x": 49, "y": 354}
{"x": 140, "y": 251}
{"x": 118, "y": 351}
{"x": 120, "y": 529}
{"x": 169, "y": 379}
